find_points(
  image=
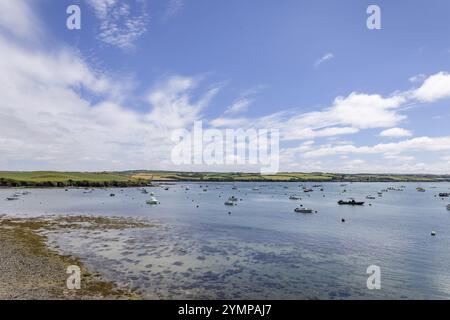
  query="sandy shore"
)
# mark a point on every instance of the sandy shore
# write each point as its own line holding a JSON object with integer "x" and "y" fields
{"x": 30, "y": 270}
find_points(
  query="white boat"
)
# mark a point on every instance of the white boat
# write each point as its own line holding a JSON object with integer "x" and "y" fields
{"x": 303, "y": 210}
{"x": 153, "y": 200}
{"x": 255, "y": 189}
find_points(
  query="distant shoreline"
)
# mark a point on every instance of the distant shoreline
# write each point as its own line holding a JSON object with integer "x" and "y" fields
{"x": 143, "y": 178}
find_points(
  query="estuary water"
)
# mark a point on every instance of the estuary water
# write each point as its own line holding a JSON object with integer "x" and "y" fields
{"x": 260, "y": 248}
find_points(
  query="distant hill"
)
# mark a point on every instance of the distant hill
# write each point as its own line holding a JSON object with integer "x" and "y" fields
{"x": 144, "y": 178}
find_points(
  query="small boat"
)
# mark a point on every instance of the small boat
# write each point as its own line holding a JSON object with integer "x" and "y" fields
{"x": 448, "y": 207}
{"x": 307, "y": 190}
{"x": 420, "y": 189}
{"x": 230, "y": 203}
{"x": 12, "y": 198}
{"x": 234, "y": 188}
{"x": 233, "y": 199}
{"x": 187, "y": 189}
{"x": 112, "y": 195}
{"x": 166, "y": 188}
{"x": 303, "y": 210}
{"x": 153, "y": 200}
{"x": 444, "y": 195}
{"x": 255, "y": 189}
{"x": 370, "y": 197}
{"x": 144, "y": 191}
{"x": 351, "y": 202}
{"x": 294, "y": 198}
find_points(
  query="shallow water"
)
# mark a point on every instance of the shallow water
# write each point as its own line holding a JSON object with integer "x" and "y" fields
{"x": 263, "y": 249}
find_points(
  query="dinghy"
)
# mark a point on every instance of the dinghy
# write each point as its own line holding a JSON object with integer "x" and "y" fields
{"x": 303, "y": 210}
{"x": 153, "y": 200}
{"x": 351, "y": 202}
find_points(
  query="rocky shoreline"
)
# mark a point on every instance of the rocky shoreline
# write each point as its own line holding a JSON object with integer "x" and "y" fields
{"x": 30, "y": 270}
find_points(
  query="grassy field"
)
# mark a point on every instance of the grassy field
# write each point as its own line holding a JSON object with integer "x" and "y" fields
{"x": 63, "y": 179}
{"x": 138, "y": 178}
{"x": 283, "y": 176}
{"x": 42, "y": 176}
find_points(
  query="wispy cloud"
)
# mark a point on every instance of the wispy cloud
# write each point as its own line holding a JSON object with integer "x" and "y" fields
{"x": 417, "y": 78}
{"x": 395, "y": 133}
{"x": 173, "y": 8}
{"x": 122, "y": 23}
{"x": 324, "y": 58}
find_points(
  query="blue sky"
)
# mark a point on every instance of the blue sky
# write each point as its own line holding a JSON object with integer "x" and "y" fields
{"x": 345, "y": 98}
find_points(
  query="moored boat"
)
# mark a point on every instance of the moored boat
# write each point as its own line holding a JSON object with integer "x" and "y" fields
{"x": 351, "y": 202}
{"x": 153, "y": 200}
{"x": 303, "y": 210}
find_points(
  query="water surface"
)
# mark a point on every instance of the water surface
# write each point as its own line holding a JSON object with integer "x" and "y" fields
{"x": 260, "y": 248}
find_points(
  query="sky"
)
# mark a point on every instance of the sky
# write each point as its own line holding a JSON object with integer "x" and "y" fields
{"x": 110, "y": 95}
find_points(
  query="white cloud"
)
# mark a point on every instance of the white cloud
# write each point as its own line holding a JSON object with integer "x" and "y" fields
{"x": 172, "y": 105}
{"x": 326, "y": 57}
{"x": 18, "y": 18}
{"x": 435, "y": 144}
{"x": 434, "y": 88}
{"x": 47, "y": 124}
{"x": 121, "y": 24}
{"x": 396, "y": 132}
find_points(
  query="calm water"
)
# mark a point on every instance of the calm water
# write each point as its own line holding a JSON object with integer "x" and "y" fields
{"x": 263, "y": 249}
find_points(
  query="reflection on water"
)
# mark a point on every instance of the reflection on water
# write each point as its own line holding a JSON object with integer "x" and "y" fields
{"x": 260, "y": 248}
